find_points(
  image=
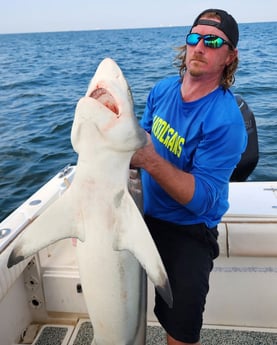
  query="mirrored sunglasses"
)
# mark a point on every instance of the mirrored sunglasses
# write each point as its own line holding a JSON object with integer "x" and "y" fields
{"x": 211, "y": 41}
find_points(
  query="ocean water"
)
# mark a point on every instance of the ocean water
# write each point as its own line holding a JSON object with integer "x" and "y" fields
{"x": 43, "y": 75}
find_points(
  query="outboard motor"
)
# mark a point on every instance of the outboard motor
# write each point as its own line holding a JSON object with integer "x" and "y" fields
{"x": 250, "y": 157}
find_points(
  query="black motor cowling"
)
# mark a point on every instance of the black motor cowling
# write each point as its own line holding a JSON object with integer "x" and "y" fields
{"x": 250, "y": 157}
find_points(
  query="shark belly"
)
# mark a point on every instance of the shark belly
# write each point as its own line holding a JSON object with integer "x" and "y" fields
{"x": 114, "y": 286}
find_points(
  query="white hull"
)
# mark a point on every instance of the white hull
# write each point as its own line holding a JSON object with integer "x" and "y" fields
{"x": 243, "y": 289}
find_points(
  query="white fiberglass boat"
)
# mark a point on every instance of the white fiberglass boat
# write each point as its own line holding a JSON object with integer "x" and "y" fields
{"x": 41, "y": 298}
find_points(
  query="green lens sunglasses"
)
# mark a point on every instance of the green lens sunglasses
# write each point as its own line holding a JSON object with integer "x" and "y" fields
{"x": 211, "y": 41}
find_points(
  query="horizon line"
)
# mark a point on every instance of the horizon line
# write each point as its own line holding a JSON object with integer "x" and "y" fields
{"x": 118, "y": 28}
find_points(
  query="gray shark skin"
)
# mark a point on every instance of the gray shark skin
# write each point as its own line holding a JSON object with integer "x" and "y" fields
{"x": 114, "y": 246}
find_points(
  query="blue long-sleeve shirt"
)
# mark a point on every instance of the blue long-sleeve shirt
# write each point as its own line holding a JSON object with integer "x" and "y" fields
{"x": 206, "y": 138}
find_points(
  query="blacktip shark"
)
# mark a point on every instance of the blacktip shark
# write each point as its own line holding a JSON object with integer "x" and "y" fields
{"x": 97, "y": 208}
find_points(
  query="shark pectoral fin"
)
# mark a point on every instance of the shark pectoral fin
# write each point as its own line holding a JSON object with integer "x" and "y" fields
{"x": 55, "y": 223}
{"x": 133, "y": 235}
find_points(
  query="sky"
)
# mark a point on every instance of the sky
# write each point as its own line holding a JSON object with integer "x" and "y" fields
{"x": 20, "y": 16}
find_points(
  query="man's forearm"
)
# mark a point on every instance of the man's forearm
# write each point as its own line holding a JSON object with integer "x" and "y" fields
{"x": 177, "y": 183}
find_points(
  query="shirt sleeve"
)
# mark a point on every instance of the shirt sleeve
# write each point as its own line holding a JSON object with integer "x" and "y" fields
{"x": 147, "y": 118}
{"x": 214, "y": 161}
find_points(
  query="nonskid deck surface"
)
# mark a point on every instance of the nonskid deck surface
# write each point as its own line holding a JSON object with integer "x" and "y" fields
{"x": 83, "y": 335}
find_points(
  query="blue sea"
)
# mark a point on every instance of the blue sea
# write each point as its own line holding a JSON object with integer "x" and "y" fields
{"x": 43, "y": 75}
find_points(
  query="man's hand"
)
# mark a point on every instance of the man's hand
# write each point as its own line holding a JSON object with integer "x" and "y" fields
{"x": 177, "y": 183}
{"x": 143, "y": 155}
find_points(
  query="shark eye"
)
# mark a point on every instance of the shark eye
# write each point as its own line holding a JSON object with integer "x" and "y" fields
{"x": 130, "y": 93}
{"x": 106, "y": 98}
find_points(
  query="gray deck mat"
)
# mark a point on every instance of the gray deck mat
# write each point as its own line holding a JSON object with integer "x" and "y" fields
{"x": 156, "y": 336}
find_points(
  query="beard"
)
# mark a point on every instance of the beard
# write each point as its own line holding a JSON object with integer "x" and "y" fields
{"x": 195, "y": 65}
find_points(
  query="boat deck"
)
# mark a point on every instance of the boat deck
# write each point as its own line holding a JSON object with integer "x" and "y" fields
{"x": 82, "y": 334}
{"x": 243, "y": 282}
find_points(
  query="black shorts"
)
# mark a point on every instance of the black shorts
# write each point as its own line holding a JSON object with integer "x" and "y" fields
{"x": 187, "y": 252}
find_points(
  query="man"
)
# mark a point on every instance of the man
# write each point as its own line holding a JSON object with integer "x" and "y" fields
{"x": 196, "y": 138}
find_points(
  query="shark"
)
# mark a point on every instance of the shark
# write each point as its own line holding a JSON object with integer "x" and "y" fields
{"x": 115, "y": 250}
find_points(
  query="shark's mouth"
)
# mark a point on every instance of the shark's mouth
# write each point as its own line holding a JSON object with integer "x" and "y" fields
{"x": 106, "y": 98}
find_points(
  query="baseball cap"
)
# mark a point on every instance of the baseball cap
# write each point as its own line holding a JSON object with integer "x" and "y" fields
{"x": 227, "y": 24}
